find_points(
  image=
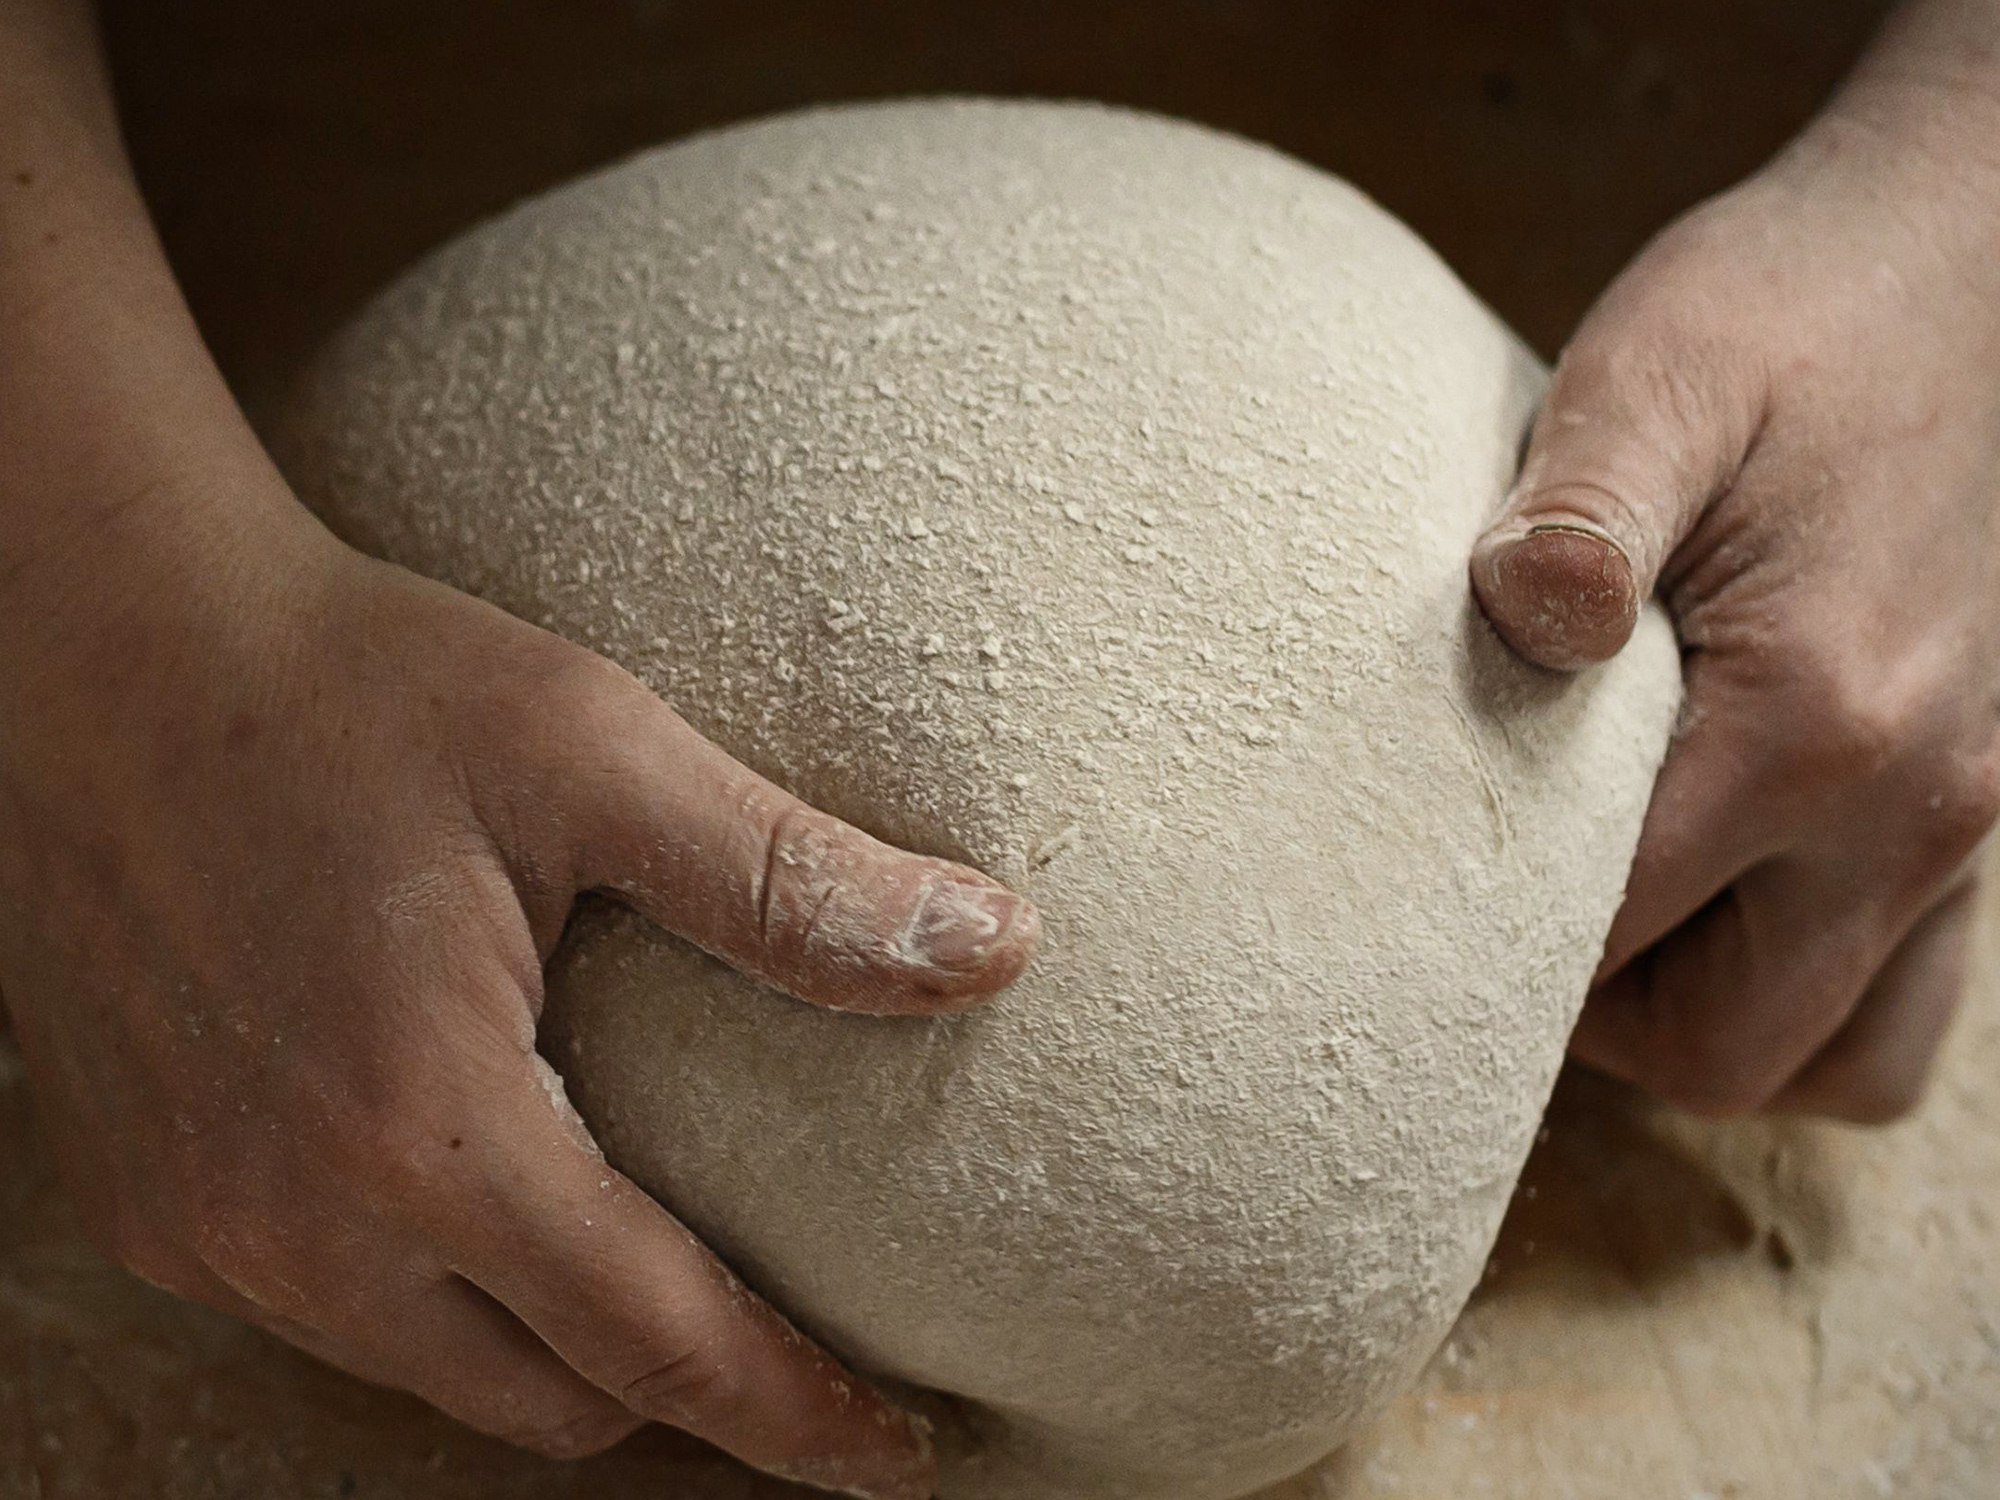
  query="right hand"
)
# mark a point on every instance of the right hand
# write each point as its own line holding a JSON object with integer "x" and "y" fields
{"x": 286, "y": 835}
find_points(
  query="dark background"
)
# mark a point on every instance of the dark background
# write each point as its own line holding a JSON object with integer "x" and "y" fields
{"x": 299, "y": 153}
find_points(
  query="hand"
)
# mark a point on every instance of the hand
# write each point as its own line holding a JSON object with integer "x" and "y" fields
{"x": 285, "y": 837}
{"x": 1786, "y": 416}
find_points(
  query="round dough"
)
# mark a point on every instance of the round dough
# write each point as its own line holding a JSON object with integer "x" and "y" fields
{"x": 1085, "y": 496}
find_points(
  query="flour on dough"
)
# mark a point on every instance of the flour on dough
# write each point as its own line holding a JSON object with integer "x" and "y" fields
{"x": 1086, "y": 496}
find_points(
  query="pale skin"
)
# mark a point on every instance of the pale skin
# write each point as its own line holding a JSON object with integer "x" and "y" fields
{"x": 275, "y": 889}
{"x": 1784, "y": 419}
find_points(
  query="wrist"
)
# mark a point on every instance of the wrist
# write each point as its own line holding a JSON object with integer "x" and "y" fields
{"x": 1907, "y": 155}
{"x": 134, "y": 498}
{"x": 118, "y": 436}
{"x": 1929, "y": 86}
{"x": 1949, "y": 44}
{"x": 188, "y": 573}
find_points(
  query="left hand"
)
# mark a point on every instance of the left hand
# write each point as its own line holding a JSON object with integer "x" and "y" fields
{"x": 1786, "y": 417}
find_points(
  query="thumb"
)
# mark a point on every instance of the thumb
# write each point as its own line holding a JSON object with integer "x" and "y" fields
{"x": 1639, "y": 433}
{"x": 708, "y": 849}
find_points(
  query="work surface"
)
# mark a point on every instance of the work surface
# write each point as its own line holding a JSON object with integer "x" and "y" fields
{"x": 1675, "y": 1310}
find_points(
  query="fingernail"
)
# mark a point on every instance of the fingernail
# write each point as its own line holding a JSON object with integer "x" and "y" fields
{"x": 960, "y": 926}
{"x": 1577, "y": 528}
{"x": 1564, "y": 593}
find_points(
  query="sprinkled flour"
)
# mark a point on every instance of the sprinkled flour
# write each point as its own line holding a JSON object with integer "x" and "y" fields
{"x": 1085, "y": 496}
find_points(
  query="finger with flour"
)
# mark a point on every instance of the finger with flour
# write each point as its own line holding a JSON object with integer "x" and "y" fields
{"x": 709, "y": 849}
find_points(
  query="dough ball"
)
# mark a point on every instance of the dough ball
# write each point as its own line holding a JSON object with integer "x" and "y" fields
{"x": 1086, "y": 496}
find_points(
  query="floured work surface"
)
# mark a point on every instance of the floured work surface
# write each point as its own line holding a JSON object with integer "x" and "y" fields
{"x": 1675, "y": 1310}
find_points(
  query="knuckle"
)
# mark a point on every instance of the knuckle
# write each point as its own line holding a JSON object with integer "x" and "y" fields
{"x": 1845, "y": 724}
{"x": 573, "y": 712}
{"x": 1863, "y": 737}
{"x": 1858, "y": 724}
{"x": 1964, "y": 806}
{"x": 599, "y": 697}
{"x": 688, "y": 1390}
{"x": 805, "y": 861}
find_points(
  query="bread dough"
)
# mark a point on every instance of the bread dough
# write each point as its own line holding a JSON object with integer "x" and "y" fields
{"x": 1085, "y": 496}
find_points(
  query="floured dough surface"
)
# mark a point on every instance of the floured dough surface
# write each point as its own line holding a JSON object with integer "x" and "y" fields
{"x": 1085, "y": 496}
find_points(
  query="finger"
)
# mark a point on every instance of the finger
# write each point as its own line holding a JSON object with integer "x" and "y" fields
{"x": 453, "y": 1346}
{"x": 1728, "y": 1007}
{"x": 708, "y": 849}
{"x": 642, "y": 1310}
{"x": 1874, "y": 1069}
{"x": 1715, "y": 813}
{"x": 1642, "y": 428}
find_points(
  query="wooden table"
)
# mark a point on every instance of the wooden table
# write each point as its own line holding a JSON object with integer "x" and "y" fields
{"x": 1674, "y": 1311}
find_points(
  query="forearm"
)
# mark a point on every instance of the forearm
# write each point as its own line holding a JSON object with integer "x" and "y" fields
{"x": 123, "y": 458}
